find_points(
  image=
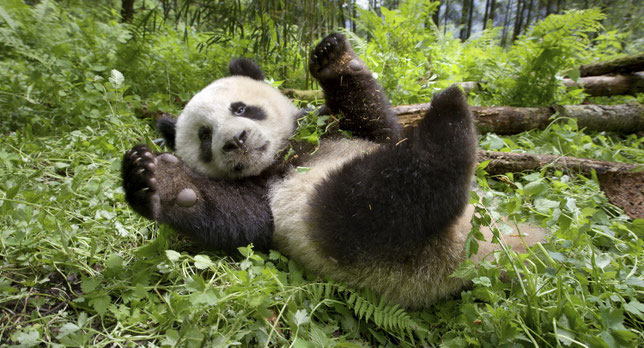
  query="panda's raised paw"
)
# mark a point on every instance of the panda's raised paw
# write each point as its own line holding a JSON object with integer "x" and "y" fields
{"x": 334, "y": 57}
{"x": 138, "y": 170}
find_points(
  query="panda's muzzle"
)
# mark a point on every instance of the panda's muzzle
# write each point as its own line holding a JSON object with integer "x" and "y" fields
{"x": 237, "y": 142}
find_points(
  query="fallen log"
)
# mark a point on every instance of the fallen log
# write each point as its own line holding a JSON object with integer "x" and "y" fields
{"x": 625, "y": 118}
{"x": 607, "y": 85}
{"x": 628, "y": 64}
{"x": 316, "y": 94}
{"x": 622, "y": 183}
{"x": 303, "y": 94}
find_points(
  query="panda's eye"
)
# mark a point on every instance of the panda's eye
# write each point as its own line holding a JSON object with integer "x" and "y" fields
{"x": 238, "y": 108}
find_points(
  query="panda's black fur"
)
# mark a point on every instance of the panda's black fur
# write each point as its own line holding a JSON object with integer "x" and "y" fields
{"x": 378, "y": 210}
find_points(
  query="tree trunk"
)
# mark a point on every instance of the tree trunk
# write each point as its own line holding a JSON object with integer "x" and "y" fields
{"x": 485, "y": 15}
{"x": 518, "y": 21}
{"x": 548, "y": 7}
{"x": 127, "y": 10}
{"x": 492, "y": 9}
{"x": 626, "y": 64}
{"x": 506, "y": 23}
{"x": 436, "y": 16}
{"x": 529, "y": 16}
{"x": 622, "y": 183}
{"x": 354, "y": 15}
{"x": 445, "y": 14}
{"x": 625, "y": 118}
{"x": 464, "y": 13}
{"x": 608, "y": 85}
{"x": 469, "y": 19}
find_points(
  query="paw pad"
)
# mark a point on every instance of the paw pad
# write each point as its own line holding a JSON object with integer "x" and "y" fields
{"x": 168, "y": 158}
{"x": 355, "y": 65}
{"x": 186, "y": 198}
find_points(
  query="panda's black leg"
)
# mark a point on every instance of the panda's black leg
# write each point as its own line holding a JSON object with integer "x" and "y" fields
{"x": 396, "y": 200}
{"x": 350, "y": 90}
{"x": 220, "y": 215}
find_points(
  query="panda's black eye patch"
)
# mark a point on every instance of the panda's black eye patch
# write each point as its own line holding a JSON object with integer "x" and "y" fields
{"x": 204, "y": 133}
{"x": 248, "y": 111}
{"x": 205, "y": 142}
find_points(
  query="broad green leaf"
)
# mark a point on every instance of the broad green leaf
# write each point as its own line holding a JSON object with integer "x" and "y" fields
{"x": 203, "y": 262}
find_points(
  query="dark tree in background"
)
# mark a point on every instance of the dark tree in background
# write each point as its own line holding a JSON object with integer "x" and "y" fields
{"x": 127, "y": 10}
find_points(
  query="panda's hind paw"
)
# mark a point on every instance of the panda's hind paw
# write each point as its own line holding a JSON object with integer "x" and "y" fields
{"x": 334, "y": 57}
{"x": 139, "y": 182}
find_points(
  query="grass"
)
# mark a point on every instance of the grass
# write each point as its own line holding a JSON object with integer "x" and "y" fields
{"x": 79, "y": 268}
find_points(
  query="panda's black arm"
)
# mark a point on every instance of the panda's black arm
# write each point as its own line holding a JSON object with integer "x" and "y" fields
{"x": 350, "y": 90}
{"x": 220, "y": 215}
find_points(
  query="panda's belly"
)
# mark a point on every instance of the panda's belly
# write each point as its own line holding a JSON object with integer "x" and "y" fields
{"x": 410, "y": 285}
{"x": 289, "y": 198}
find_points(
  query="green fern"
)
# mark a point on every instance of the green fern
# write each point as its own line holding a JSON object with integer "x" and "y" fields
{"x": 531, "y": 73}
{"x": 368, "y": 306}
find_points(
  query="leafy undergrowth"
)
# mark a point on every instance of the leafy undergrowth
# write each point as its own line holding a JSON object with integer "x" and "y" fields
{"x": 79, "y": 268}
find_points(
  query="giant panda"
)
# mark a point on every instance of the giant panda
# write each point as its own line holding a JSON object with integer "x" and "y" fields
{"x": 379, "y": 210}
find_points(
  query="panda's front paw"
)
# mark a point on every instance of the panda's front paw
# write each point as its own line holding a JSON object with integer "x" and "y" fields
{"x": 334, "y": 57}
{"x": 141, "y": 187}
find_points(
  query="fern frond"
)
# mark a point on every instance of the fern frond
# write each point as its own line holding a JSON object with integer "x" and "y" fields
{"x": 7, "y": 19}
{"x": 368, "y": 306}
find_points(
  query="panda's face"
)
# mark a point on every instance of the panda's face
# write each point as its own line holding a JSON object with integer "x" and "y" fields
{"x": 234, "y": 127}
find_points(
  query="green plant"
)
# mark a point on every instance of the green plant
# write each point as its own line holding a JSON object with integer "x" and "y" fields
{"x": 531, "y": 74}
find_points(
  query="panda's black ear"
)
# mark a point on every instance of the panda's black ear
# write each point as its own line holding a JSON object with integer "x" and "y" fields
{"x": 167, "y": 127}
{"x": 246, "y": 67}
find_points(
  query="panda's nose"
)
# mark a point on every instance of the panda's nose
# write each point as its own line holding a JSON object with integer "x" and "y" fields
{"x": 237, "y": 142}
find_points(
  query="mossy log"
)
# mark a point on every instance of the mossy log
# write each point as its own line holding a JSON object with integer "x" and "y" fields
{"x": 628, "y": 64}
{"x": 625, "y": 118}
{"x": 607, "y": 85}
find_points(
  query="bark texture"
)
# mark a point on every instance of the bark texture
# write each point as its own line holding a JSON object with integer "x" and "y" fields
{"x": 607, "y": 85}
{"x": 626, "y": 118}
{"x": 628, "y": 64}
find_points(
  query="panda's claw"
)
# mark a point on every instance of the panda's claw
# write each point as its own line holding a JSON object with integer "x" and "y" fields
{"x": 331, "y": 59}
{"x": 139, "y": 182}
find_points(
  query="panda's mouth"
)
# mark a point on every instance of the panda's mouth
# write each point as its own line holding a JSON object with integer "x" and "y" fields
{"x": 247, "y": 159}
{"x": 263, "y": 147}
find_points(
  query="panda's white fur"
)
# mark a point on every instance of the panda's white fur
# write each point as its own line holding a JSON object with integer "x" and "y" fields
{"x": 211, "y": 108}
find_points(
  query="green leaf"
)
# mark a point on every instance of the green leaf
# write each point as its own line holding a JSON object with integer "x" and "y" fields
{"x": 565, "y": 336}
{"x": 28, "y": 339}
{"x": 89, "y": 284}
{"x": 635, "y": 281}
{"x": 574, "y": 74}
{"x": 203, "y": 262}
{"x": 172, "y": 255}
{"x": 484, "y": 281}
{"x": 66, "y": 329}
{"x": 114, "y": 263}
{"x": 544, "y": 205}
{"x": 636, "y": 308}
{"x": 301, "y": 317}
{"x": 116, "y": 78}
{"x": 612, "y": 318}
{"x": 100, "y": 304}
{"x": 535, "y": 188}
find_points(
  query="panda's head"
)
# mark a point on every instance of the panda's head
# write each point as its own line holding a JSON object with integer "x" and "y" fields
{"x": 234, "y": 127}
